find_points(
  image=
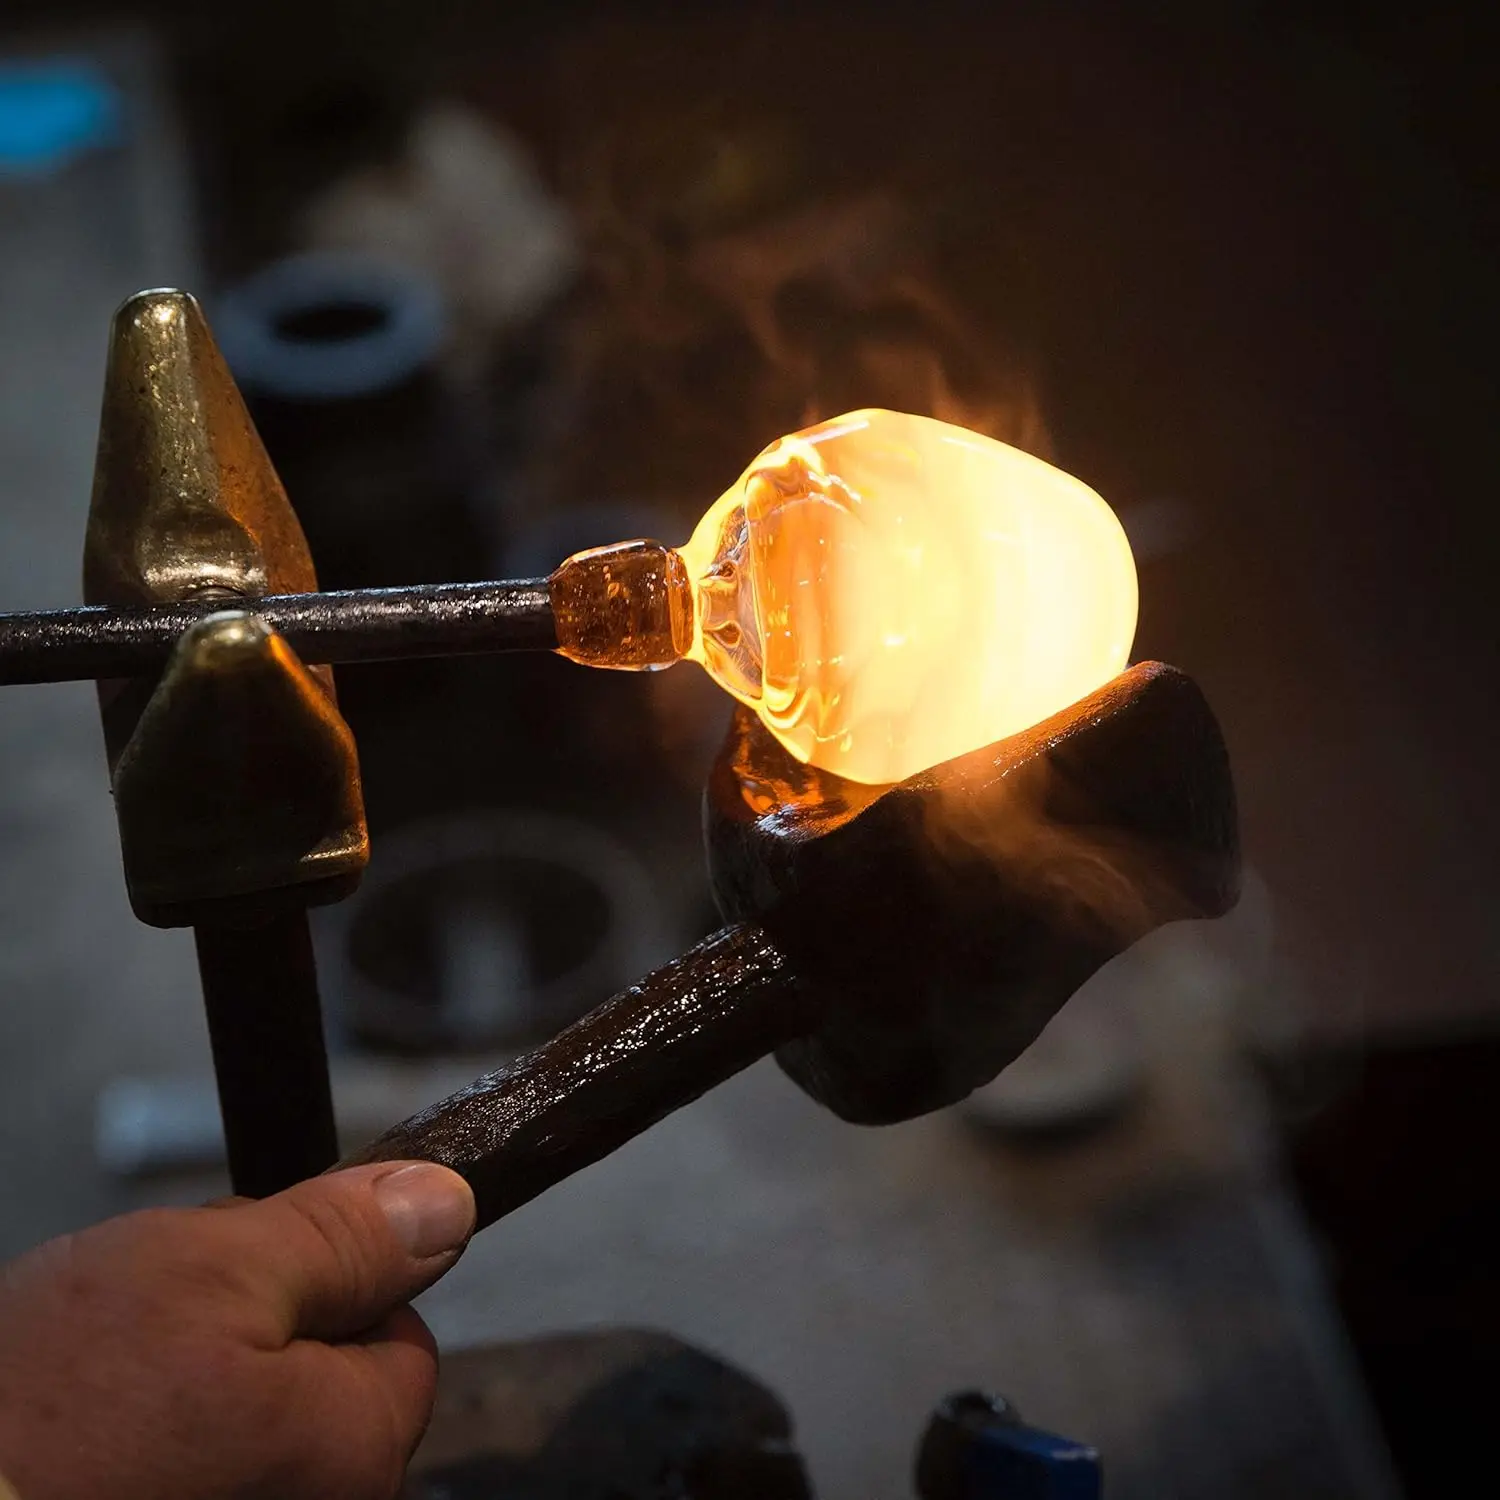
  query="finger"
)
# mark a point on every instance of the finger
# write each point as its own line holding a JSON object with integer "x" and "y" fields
{"x": 402, "y": 1356}
{"x": 336, "y": 1254}
{"x": 403, "y": 1325}
{"x": 376, "y": 1398}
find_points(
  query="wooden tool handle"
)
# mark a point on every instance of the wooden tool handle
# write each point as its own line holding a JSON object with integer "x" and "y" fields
{"x": 651, "y": 1049}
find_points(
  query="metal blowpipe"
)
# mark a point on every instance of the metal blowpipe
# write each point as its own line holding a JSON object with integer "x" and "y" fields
{"x": 442, "y": 619}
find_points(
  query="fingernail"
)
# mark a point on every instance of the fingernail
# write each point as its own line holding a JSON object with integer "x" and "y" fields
{"x": 430, "y": 1209}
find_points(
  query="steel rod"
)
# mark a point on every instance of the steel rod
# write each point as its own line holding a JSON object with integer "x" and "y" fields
{"x": 433, "y": 619}
{"x": 260, "y": 989}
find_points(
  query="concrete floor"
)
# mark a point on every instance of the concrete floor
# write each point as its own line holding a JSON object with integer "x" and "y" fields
{"x": 1149, "y": 1289}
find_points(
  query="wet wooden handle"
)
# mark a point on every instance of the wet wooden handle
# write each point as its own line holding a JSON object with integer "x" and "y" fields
{"x": 651, "y": 1049}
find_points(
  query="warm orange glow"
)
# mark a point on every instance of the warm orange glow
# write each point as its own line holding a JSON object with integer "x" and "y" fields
{"x": 888, "y": 591}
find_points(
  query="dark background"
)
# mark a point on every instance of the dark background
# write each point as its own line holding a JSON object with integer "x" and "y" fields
{"x": 1238, "y": 261}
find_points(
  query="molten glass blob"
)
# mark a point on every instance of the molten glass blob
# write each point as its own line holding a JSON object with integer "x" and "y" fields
{"x": 886, "y": 591}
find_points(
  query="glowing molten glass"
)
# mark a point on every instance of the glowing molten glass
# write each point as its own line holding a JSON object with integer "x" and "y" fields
{"x": 886, "y": 591}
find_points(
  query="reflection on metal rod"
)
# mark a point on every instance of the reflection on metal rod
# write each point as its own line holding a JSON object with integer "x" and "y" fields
{"x": 440, "y": 619}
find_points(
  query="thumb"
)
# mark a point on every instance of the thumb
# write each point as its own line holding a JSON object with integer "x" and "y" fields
{"x": 341, "y": 1251}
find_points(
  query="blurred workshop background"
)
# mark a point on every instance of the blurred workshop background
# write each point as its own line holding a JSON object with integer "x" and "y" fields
{"x": 501, "y": 282}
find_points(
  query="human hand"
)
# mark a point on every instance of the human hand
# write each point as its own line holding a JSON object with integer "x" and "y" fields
{"x": 246, "y": 1350}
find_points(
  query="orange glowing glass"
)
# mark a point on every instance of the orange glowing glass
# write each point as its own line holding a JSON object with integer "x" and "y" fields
{"x": 885, "y": 590}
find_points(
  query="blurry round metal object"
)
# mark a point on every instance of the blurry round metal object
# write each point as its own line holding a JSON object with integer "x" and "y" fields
{"x": 329, "y": 327}
{"x": 341, "y": 358}
{"x": 490, "y": 930}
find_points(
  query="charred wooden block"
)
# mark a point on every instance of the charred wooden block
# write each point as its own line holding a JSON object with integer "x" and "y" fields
{"x": 945, "y": 920}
